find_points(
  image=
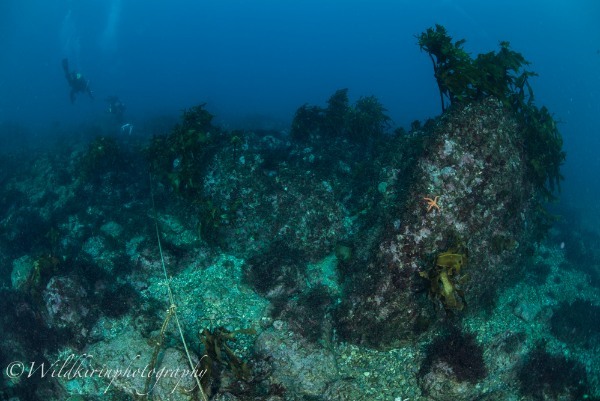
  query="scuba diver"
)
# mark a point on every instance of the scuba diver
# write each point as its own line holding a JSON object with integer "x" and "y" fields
{"x": 116, "y": 107}
{"x": 76, "y": 81}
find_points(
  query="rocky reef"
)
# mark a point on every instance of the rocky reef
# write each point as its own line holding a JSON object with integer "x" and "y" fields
{"x": 471, "y": 169}
{"x": 343, "y": 260}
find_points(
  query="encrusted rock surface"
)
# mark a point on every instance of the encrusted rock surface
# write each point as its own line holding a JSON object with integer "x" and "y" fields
{"x": 473, "y": 165}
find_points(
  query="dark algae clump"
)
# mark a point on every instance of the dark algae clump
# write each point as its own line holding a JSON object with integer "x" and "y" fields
{"x": 545, "y": 376}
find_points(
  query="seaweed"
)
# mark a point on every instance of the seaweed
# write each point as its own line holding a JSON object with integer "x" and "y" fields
{"x": 458, "y": 350}
{"x": 445, "y": 278}
{"x": 218, "y": 354}
{"x": 307, "y": 120}
{"x": 363, "y": 122}
{"x": 336, "y": 113}
{"x": 180, "y": 158}
{"x": 545, "y": 376}
{"x": 368, "y": 119}
{"x": 543, "y": 150}
{"x": 502, "y": 75}
{"x": 577, "y": 323}
{"x": 452, "y": 67}
{"x": 102, "y": 156}
{"x": 461, "y": 78}
{"x": 44, "y": 267}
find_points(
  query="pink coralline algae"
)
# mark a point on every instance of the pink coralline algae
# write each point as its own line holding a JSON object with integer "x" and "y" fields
{"x": 65, "y": 304}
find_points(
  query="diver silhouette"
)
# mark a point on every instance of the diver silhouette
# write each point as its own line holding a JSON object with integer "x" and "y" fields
{"x": 76, "y": 81}
{"x": 117, "y": 108}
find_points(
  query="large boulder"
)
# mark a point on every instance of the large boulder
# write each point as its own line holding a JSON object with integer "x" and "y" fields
{"x": 455, "y": 236}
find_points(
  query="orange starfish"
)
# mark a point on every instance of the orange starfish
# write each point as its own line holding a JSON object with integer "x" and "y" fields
{"x": 432, "y": 203}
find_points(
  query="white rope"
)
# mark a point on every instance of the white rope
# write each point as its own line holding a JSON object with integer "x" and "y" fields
{"x": 172, "y": 300}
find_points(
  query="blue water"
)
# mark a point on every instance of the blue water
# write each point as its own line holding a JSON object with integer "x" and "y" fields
{"x": 256, "y": 62}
